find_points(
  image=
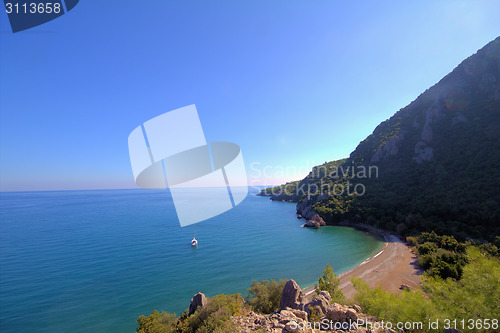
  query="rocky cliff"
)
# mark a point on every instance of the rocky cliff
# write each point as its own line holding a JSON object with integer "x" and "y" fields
{"x": 318, "y": 315}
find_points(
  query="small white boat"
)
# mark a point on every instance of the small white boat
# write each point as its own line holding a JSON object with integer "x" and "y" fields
{"x": 194, "y": 242}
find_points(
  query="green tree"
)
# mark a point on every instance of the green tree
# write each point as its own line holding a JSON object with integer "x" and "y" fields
{"x": 330, "y": 282}
{"x": 216, "y": 315}
{"x": 409, "y": 306}
{"x": 476, "y": 295}
{"x": 156, "y": 322}
{"x": 265, "y": 296}
{"x": 427, "y": 248}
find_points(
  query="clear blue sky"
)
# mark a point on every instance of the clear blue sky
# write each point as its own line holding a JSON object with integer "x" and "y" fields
{"x": 294, "y": 83}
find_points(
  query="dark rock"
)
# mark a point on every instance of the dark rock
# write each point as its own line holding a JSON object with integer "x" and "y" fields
{"x": 198, "y": 300}
{"x": 357, "y": 308}
{"x": 405, "y": 287}
{"x": 291, "y": 296}
{"x": 315, "y": 222}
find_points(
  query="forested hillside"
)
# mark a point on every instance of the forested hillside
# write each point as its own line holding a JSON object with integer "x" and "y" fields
{"x": 435, "y": 164}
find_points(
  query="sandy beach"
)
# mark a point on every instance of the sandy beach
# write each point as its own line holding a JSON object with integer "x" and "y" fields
{"x": 391, "y": 267}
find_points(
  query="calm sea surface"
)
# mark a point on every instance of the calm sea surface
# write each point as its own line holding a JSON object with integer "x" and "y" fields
{"x": 92, "y": 261}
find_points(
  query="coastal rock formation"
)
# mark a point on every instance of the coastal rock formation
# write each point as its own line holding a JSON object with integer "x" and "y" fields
{"x": 315, "y": 222}
{"x": 308, "y": 212}
{"x": 337, "y": 318}
{"x": 291, "y": 305}
{"x": 198, "y": 300}
{"x": 328, "y": 317}
{"x": 292, "y": 296}
{"x": 305, "y": 210}
{"x": 319, "y": 305}
{"x": 287, "y": 320}
{"x": 340, "y": 313}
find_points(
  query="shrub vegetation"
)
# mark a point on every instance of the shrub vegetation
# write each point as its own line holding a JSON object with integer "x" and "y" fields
{"x": 474, "y": 297}
{"x": 330, "y": 282}
{"x": 265, "y": 296}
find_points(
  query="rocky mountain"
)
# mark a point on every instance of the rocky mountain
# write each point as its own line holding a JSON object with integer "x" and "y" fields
{"x": 434, "y": 165}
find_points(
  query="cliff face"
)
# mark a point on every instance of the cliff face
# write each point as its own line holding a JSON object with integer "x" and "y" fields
{"x": 470, "y": 91}
{"x": 437, "y": 161}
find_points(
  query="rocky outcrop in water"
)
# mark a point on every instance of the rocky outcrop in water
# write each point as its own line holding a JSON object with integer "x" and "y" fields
{"x": 305, "y": 209}
{"x": 315, "y": 222}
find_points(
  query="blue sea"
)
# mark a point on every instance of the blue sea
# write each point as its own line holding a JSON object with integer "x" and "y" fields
{"x": 92, "y": 261}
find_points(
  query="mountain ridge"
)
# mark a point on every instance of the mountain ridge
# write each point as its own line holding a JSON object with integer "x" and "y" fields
{"x": 438, "y": 161}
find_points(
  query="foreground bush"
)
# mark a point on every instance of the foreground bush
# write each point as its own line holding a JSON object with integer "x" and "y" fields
{"x": 330, "y": 282}
{"x": 474, "y": 297}
{"x": 440, "y": 256}
{"x": 157, "y": 322}
{"x": 409, "y": 306}
{"x": 214, "y": 317}
{"x": 265, "y": 296}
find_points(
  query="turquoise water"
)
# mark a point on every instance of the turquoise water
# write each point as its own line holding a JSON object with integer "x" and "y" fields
{"x": 82, "y": 261}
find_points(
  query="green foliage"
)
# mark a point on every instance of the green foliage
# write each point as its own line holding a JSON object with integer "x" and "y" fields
{"x": 440, "y": 256}
{"x": 265, "y": 296}
{"x": 156, "y": 322}
{"x": 409, "y": 306}
{"x": 412, "y": 240}
{"x": 456, "y": 192}
{"x": 490, "y": 248}
{"x": 448, "y": 264}
{"x": 297, "y": 190}
{"x": 330, "y": 282}
{"x": 214, "y": 317}
{"x": 427, "y": 248}
{"x": 496, "y": 242}
{"x": 315, "y": 315}
{"x": 285, "y": 192}
{"x": 475, "y": 296}
{"x": 444, "y": 242}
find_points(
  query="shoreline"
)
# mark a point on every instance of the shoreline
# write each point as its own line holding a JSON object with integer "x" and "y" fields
{"x": 391, "y": 267}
